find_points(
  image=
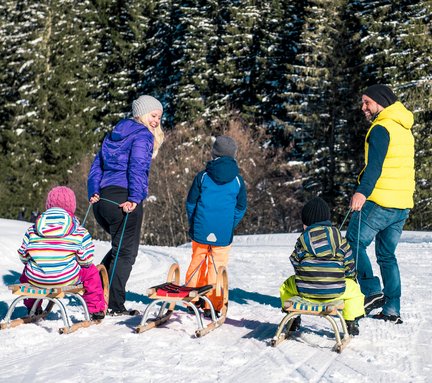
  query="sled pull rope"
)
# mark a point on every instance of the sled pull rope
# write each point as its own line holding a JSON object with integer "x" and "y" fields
{"x": 358, "y": 232}
{"x": 194, "y": 272}
{"x": 90, "y": 205}
{"x": 198, "y": 267}
{"x": 109, "y": 200}
{"x": 86, "y": 214}
{"x": 358, "y": 238}
{"x": 346, "y": 216}
{"x": 214, "y": 263}
{"x": 121, "y": 236}
{"x": 118, "y": 248}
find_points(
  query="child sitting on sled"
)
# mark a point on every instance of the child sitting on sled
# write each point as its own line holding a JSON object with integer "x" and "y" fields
{"x": 324, "y": 266}
{"x": 57, "y": 251}
{"x": 215, "y": 204}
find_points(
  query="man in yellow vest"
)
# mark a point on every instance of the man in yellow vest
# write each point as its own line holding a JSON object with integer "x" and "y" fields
{"x": 383, "y": 198}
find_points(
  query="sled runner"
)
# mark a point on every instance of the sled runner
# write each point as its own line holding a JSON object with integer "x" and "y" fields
{"x": 53, "y": 295}
{"x": 296, "y": 306}
{"x": 171, "y": 292}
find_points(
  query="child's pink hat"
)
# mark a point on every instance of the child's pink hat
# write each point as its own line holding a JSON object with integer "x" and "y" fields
{"x": 63, "y": 197}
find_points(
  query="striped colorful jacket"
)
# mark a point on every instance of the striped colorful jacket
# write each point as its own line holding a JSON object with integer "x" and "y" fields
{"x": 54, "y": 249}
{"x": 322, "y": 259}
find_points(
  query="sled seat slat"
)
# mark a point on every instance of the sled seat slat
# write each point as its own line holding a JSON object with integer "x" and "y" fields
{"x": 297, "y": 306}
{"x": 26, "y": 289}
{"x": 304, "y": 306}
{"x": 169, "y": 291}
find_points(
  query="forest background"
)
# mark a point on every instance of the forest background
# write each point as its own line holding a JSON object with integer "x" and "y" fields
{"x": 284, "y": 78}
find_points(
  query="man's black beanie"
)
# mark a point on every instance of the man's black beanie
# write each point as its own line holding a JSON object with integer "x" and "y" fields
{"x": 381, "y": 94}
{"x": 316, "y": 210}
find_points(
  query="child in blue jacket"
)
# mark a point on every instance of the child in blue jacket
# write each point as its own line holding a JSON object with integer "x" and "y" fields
{"x": 215, "y": 204}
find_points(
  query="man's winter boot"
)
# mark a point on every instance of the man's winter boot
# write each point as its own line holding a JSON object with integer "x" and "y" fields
{"x": 373, "y": 302}
{"x": 396, "y": 319}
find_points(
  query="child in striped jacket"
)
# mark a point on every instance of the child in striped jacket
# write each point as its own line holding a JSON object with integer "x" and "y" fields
{"x": 324, "y": 266}
{"x": 57, "y": 251}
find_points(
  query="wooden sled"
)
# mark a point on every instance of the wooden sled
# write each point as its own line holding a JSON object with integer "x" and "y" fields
{"x": 53, "y": 295}
{"x": 171, "y": 292}
{"x": 296, "y": 306}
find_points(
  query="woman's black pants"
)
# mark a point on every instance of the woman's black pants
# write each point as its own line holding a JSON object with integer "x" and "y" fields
{"x": 112, "y": 219}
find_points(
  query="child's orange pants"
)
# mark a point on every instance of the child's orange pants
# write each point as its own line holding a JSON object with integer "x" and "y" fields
{"x": 202, "y": 270}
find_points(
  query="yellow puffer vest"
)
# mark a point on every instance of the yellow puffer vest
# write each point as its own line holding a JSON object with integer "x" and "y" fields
{"x": 395, "y": 187}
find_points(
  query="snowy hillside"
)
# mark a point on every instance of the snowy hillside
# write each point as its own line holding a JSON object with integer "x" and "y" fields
{"x": 236, "y": 352}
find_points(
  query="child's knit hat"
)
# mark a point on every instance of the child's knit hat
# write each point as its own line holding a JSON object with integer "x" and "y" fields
{"x": 381, "y": 94}
{"x": 316, "y": 210}
{"x": 145, "y": 104}
{"x": 63, "y": 197}
{"x": 224, "y": 146}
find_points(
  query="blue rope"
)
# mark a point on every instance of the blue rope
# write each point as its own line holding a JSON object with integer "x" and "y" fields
{"x": 120, "y": 241}
{"x": 121, "y": 236}
{"x": 346, "y": 216}
{"x": 358, "y": 237}
{"x": 358, "y": 233}
{"x": 86, "y": 214}
{"x": 90, "y": 205}
{"x": 118, "y": 248}
{"x": 108, "y": 200}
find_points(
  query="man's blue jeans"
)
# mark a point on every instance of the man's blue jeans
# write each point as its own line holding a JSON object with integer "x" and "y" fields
{"x": 385, "y": 225}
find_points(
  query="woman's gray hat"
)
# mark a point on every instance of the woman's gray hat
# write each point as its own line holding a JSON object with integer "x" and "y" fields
{"x": 145, "y": 104}
{"x": 224, "y": 146}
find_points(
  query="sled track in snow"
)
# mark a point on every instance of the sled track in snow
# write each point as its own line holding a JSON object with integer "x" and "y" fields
{"x": 285, "y": 357}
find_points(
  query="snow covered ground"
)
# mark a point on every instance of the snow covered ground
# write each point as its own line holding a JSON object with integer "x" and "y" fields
{"x": 236, "y": 352}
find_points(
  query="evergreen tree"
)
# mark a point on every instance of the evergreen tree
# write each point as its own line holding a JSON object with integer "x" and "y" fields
{"x": 123, "y": 34}
{"x": 275, "y": 39}
{"x": 235, "y": 55}
{"x": 50, "y": 73}
{"x": 20, "y": 32}
{"x": 295, "y": 69}
{"x": 319, "y": 102}
{"x": 154, "y": 59}
{"x": 194, "y": 39}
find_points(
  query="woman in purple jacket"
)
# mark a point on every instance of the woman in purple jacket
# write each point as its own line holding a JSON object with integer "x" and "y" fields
{"x": 119, "y": 174}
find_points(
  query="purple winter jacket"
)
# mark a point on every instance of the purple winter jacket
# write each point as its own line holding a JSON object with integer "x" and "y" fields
{"x": 124, "y": 160}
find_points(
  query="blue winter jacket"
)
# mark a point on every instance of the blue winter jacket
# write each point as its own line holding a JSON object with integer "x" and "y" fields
{"x": 216, "y": 202}
{"x": 124, "y": 160}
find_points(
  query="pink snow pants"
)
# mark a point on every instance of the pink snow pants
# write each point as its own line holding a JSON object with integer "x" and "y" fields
{"x": 93, "y": 291}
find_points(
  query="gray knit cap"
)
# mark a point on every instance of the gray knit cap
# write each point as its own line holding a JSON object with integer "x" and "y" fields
{"x": 224, "y": 146}
{"x": 145, "y": 104}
